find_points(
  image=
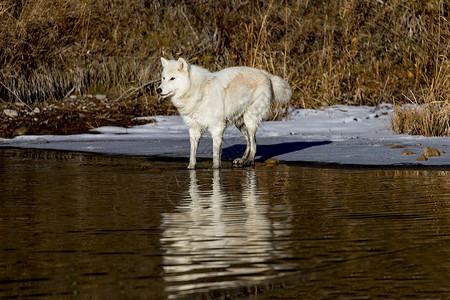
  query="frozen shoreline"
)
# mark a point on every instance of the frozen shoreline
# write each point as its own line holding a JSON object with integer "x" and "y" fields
{"x": 344, "y": 135}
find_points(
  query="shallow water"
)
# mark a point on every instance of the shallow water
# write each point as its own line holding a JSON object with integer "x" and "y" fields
{"x": 108, "y": 227}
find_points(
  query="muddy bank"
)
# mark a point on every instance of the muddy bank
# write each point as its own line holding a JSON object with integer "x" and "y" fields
{"x": 74, "y": 115}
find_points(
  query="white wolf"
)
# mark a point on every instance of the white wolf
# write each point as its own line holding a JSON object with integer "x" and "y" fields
{"x": 213, "y": 101}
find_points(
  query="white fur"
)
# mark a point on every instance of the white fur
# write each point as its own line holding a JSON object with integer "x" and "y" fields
{"x": 213, "y": 101}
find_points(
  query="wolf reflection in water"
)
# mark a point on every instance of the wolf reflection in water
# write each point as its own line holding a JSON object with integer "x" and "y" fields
{"x": 213, "y": 240}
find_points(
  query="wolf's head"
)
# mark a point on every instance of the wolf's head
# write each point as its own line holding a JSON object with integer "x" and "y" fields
{"x": 174, "y": 78}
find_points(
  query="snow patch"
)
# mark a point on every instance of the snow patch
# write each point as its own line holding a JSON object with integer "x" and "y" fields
{"x": 339, "y": 134}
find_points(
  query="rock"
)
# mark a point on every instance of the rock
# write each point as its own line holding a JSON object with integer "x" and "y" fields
{"x": 421, "y": 158}
{"x": 100, "y": 97}
{"x": 398, "y": 147}
{"x": 271, "y": 162}
{"x": 11, "y": 113}
{"x": 21, "y": 130}
{"x": 441, "y": 151}
{"x": 431, "y": 152}
{"x": 37, "y": 110}
{"x": 408, "y": 152}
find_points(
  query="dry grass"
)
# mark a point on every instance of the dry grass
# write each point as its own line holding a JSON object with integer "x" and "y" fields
{"x": 359, "y": 52}
{"x": 428, "y": 113}
{"x": 432, "y": 119}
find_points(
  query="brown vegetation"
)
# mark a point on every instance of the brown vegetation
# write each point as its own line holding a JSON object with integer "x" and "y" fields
{"x": 73, "y": 116}
{"x": 359, "y": 52}
{"x": 428, "y": 113}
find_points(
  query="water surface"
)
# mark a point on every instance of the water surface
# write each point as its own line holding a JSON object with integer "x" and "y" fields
{"x": 116, "y": 227}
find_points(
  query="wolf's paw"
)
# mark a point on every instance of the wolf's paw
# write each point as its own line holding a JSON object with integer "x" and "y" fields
{"x": 239, "y": 163}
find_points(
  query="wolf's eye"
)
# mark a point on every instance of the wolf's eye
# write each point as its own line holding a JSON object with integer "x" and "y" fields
{"x": 173, "y": 78}
{"x": 164, "y": 78}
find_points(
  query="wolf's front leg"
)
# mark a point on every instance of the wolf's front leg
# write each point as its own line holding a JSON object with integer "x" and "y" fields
{"x": 217, "y": 136}
{"x": 194, "y": 137}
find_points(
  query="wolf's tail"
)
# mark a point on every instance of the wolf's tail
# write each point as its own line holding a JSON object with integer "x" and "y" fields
{"x": 281, "y": 89}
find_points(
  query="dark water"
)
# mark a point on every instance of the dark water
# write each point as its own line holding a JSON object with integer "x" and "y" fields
{"x": 127, "y": 228}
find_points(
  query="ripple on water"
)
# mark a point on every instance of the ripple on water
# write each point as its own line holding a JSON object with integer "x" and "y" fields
{"x": 76, "y": 224}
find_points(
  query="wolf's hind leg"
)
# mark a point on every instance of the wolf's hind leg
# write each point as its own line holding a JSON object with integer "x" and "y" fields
{"x": 249, "y": 133}
{"x": 243, "y": 129}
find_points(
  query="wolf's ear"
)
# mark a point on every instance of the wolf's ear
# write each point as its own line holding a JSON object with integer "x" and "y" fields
{"x": 164, "y": 62}
{"x": 182, "y": 65}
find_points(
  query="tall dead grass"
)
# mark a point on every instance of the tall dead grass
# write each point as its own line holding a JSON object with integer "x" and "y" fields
{"x": 360, "y": 52}
{"x": 428, "y": 110}
{"x": 430, "y": 119}
{"x": 52, "y": 47}
{"x": 427, "y": 113}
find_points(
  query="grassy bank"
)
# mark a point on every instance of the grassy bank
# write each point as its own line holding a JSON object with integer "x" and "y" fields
{"x": 359, "y": 52}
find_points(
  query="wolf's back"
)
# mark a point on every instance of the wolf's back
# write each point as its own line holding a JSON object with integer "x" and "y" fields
{"x": 281, "y": 89}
